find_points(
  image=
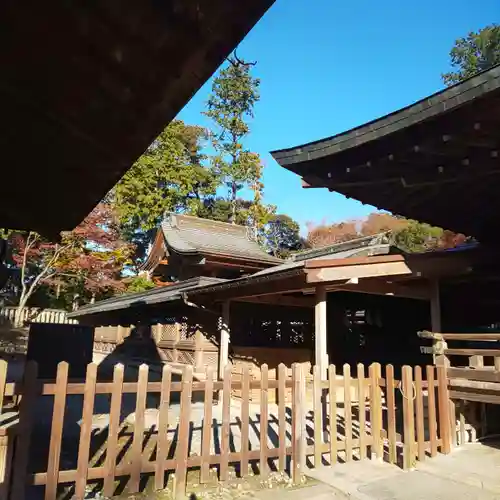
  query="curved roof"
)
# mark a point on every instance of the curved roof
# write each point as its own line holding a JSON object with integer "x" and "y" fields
{"x": 435, "y": 161}
{"x": 87, "y": 86}
{"x": 189, "y": 235}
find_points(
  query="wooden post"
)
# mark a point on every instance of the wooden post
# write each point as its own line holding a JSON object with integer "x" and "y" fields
{"x": 436, "y": 326}
{"x": 320, "y": 349}
{"x": 224, "y": 339}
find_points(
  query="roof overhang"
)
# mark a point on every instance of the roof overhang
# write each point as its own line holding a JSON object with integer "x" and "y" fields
{"x": 436, "y": 161}
{"x": 87, "y": 86}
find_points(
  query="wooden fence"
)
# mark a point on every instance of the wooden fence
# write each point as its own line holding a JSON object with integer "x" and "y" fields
{"x": 174, "y": 432}
{"x": 36, "y": 315}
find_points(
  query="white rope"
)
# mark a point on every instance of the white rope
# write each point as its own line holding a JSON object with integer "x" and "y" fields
{"x": 414, "y": 391}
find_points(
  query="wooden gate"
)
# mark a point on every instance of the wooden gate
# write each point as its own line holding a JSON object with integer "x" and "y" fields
{"x": 122, "y": 432}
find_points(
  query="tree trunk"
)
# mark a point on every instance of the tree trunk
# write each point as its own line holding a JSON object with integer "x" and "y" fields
{"x": 18, "y": 316}
{"x": 234, "y": 192}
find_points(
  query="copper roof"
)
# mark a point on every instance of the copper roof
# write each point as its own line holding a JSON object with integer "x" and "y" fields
{"x": 189, "y": 235}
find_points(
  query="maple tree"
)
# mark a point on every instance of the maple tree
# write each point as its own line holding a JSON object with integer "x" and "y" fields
{"x": 88, "y": 260}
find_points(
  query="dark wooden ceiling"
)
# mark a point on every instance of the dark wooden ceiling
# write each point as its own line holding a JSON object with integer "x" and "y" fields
{"x": 437, "y": 161}
{"x": 87, "y": 85}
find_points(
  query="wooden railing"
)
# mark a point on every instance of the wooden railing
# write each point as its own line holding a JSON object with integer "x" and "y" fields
{"x": 353, "y": 416}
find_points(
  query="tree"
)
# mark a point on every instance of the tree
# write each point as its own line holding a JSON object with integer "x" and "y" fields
{"x": 282, "y": 236}
{"x": 89, "y": 258}
{"x": 329, "y": 234}
{"x": 234, "y": 94}
{"x": 138, "y": 284}
{"x": 476, "y": 52}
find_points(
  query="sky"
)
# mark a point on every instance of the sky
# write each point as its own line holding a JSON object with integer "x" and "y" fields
{"x": 327, "y": 66}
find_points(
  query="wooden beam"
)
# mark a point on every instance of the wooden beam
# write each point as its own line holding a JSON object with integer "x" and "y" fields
{"x": 352, "y": 261}
{"x": 279, "y": 300}
{"x": 412, "y": 290}
{"x": 325, "y": 274}
{"x": 320, "y": 325}
{"x": 224, "y": 339}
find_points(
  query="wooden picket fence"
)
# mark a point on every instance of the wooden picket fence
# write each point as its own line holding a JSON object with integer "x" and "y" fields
{"x": 340, "y": 419}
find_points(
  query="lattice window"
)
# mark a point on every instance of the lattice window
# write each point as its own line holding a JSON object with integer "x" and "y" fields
{"x": 186, "y": 357}
{"x": 169, "y": 332}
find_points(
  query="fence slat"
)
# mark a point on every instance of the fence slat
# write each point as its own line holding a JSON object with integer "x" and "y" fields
{"x": 56, "y": 431}
{"x": 419, "y": 413}
{"x": 408, "y": 417}
{"x": 263, "y": 469}
{"x": 375, "y": 410}
{"x": 182, "y": 450}
{"x": 85, "y": 431}
{"x": 318, "y": 421}
{"x": 298, "y": 448}
{"x": 207, "y": 426}
{"x": 3, "y": 381}
{"x": 362, "y": 410}
{"x": 347, "y": 413}
{"x": 114, "y": 427}
{"x": 226, "y": 422}
{"x": 136, "y": 450}
{"x": 332, "y": 389}
{"x": 162, "y": 446}
{"x": 281, "y": 417}
{"x": 245, "y": 419}
{"x": 431, "y": 409}
{"x": 444, "y": 410}
{"x": 391, "y": 413}
{"x": 26, "y": 415}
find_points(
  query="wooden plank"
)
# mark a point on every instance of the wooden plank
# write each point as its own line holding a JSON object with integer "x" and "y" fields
{"x": 320, "y": 331}
{"x": 419, "y": 414}
{"x": 476, "y": 385}
{"x": 473, "y": 396}
{"x": 207, "y": 426}
{"x": 431, "y": 410}
{"x": 3, "y": 381}
{"x": 224, "y": 339}
{"x": 444, "y": 417}
{"x": 56, "y": 431}
{"x": 263, "y": 468}
{"x": 453, "y": 422}
{"x": 476, "y": 362}
{"x": 391, "y": 414}
{"x": 318, "y": 420}
{"x": 408, "y": 418}
{"x": 85, "y": 432}
{"x": 136, "y": 449}
{"x": 472, "y": 352}
{"x": 471, "y": 374}
{"x": 362, "y": 411}
{"x": 114, "y": 429}
{"x": 181, "y": 453}
{"x": 281, "y": 417}
{"x": 352, "y": 261}
{"x": 297, "y": 424}
{"x": 497, "y": 363}
{"x": 332, "y": 391}
{"x": 162, "y": 446}
{"x": 471, "y": 336}
{"x": 347, "y": 412}
{"x": 245, "y": 419}
{"x": 376, "y": 411}
{"x": 226, "y": 423}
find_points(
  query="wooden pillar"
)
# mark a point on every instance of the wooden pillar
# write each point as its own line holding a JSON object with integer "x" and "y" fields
{"x": 435, "y": 307}
{"x": 320, "y": 348}
{"x": 224, "y": 339}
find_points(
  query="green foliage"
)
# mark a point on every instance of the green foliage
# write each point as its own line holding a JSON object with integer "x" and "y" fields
{"x": 417, "y": 237}
{"x": 234, "y": 94}
{"x": 476, "y": 52}
{"x": 282, "y": 236}
{"x": 138, "y": 284}
{"x": 169, "y": 176}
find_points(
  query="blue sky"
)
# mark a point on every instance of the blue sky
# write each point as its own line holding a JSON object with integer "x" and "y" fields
{"x": 328, "y": 66}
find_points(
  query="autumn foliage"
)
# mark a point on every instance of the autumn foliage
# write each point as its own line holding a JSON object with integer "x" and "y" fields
{"x": 410, "y": 235}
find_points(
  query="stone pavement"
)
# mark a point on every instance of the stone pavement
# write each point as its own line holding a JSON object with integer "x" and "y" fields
{"x": 470, "y": 472}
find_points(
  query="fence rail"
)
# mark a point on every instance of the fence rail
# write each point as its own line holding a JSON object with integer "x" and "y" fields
{"x": 36, "y": 315}
{"x": 169, "y": 428}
